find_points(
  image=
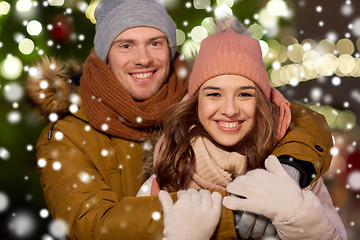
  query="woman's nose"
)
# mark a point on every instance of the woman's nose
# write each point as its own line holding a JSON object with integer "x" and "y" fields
{"x": 230, "y": 108}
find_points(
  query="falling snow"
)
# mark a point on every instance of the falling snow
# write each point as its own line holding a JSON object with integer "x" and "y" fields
{"x": 22, "y": 224}
{"x": 156, "y": 216}
{"x": 4, "y": 202}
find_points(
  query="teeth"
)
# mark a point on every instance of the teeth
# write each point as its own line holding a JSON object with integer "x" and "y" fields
{"x": 229, "y": 125}
{"x": 142, "y": 75}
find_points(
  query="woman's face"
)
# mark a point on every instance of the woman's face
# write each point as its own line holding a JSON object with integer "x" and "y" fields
{"x": 226, "y": 108}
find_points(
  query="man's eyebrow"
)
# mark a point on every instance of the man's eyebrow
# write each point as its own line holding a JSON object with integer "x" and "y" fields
{"x": 158, "y": 37}
{"x": 131, "y": 41}
{"x": 124, "y": 40}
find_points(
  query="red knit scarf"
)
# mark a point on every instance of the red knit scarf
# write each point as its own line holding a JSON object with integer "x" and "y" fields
{"x": 112, "y": 110}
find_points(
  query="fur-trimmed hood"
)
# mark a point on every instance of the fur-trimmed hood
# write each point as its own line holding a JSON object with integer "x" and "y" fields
{"x": 51, "y": 86}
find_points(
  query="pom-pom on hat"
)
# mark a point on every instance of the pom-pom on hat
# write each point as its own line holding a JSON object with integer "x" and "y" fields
{"x": 115, "y": 16}
{"x": 231, "y": 50}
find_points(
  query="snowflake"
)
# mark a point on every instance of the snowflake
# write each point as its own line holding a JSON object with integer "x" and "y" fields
{"x": 156, "y": 215}
{"x": 59, "y": 135}
{"x": 56, "y": 165}
{"x": 104, "y": 152}
{"x": 44, "y": 213}
{"x": 58, "y": 228}
{"x": 4, "y": 202}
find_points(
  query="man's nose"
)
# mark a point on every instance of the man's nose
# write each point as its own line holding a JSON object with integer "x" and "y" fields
{"x": 143, "y": 56}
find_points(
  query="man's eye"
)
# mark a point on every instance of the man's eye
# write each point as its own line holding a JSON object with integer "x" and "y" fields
{"x": 155, "y": 44}
{"x": 124, "y": 46}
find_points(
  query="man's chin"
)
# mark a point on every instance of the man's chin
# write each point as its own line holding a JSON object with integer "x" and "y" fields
{"x": 140, "y": 97}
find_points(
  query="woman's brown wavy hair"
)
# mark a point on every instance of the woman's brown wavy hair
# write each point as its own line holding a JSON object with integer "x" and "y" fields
{"x": 182, "y": 125}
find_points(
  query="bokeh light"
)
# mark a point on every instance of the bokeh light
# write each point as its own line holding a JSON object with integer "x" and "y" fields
{"x": 34, "y": 27}
{"x": 201, "y": 4}
{"x": 23, "y": 5}
{"x": 277, "y": 8}
{"x": 4, "y": 8}
{"x": 257, "y": 31}
{"x": 354, "y": 180}
{"x": 58, "y": 228}
{"x": 223, "y": 11}
{"x": 356, "y": 27}
{"x": 55, "y": 3}
{"x": 14, "y": 117}
{"x": 11, "y": 68}
{"x": 26, "y": 46}
{"x": 228, "y": 3}
{"x": 345, "y": 46}
{"x": 208, "y": 24}
{"x": 13, "y": 92}
{"x": 4, "y": 201}
{"x": 4, "y": 153}
{"x": 190, "y": 48}
{"x": 22, "y": 224}
{"x": 346, "y": 64}
{"x": 198, "y": 33}
{"x": 44, "y": 213}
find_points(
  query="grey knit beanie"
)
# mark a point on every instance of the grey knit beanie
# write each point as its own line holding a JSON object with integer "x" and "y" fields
{"x": 115, "y": 16}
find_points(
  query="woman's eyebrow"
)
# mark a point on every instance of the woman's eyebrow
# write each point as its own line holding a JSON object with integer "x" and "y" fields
{"x": 210, "y": 88}
{"x": 218, "y": 88}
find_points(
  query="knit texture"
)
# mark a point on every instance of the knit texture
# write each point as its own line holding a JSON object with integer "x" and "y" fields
{"x": 112, "y": 110}
{"x": 231, "y": 53}
{"x": 115, "y": 16}
{"x": 214, "y": 167}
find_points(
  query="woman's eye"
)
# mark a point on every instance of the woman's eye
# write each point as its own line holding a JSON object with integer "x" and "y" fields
{"x": 213, "y": 95}
{"x": 246, "y": 94}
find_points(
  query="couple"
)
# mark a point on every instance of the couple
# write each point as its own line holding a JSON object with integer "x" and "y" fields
{"x": 127, "y": 85}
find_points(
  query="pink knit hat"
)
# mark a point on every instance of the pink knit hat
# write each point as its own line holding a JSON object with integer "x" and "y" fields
{"x": 232, "y": 53}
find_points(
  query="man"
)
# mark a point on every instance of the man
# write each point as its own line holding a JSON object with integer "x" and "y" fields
{"x": 90, "y": 159}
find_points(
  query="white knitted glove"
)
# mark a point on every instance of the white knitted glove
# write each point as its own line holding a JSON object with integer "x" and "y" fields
{"x": 194, "y": 216}
{"x": 252, "y": 225}
{"x": 272, "y": 193}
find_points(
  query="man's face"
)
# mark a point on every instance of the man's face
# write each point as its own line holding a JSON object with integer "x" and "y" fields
{"x": 140, "y": 59}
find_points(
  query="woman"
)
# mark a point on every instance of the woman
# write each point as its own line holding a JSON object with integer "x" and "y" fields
{"x": 220, "y": 138}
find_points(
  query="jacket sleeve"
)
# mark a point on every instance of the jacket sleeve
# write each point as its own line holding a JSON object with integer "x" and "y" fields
{"x": 78, "y": 193}
{"x": 316, "y": 218}
{"x": 308, "y": 139}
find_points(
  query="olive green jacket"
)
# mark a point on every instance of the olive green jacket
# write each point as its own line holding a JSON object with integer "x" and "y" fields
{"x": 90, "y": 179}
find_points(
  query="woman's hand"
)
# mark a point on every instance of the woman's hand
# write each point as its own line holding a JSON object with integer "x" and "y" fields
{"x": 194, "y": 216}
{"x": 272, "y": 193}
